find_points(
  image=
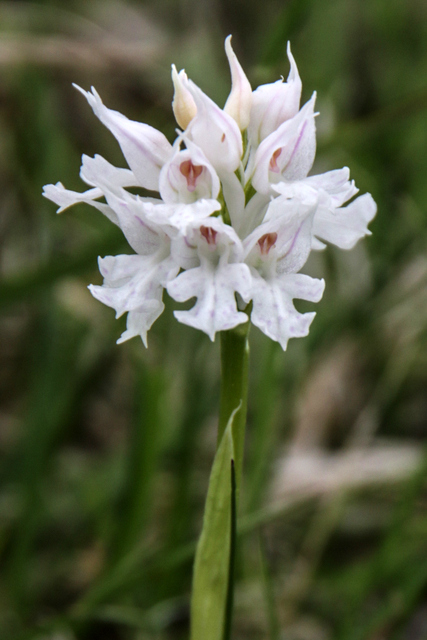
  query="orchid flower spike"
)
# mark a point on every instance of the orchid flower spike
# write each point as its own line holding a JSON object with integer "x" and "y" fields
{"x": 230, "y": 220}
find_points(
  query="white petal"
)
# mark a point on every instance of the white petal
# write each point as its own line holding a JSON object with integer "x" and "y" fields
{"x": 336, "y": 183}
{"x": 291, "y": 223}
{"x": 295, "y": 139}
{"x": 97, "y": 170}
{"x": 316, "y": 245}
{"x": 346, "y": 225}
{"x": 239, "y": 102}
{"x": 145, "y": 149}
{"x": 215, "y": 132}
{"x": 181, "y": 216}
{"x": 300, "y": 190}
{"x": 273, "y": 311}
{"x": 139, "y": 322}
{"x": 65, "y": 198}
{"x": 143, "y": 236}
{"x": 214, "y": 286}
{"x": 130, "y": 281}
{"x": 274, "y": 103}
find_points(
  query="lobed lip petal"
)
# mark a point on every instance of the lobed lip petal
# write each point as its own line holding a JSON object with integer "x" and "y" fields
{"x": 273, "y": 310}
{"x": 134, "y": 284}
{"x": 139, "y": 322}
{"x": 145, "y": 149}
{"x": 239, "y": 102}
{"x": 214, "y": 287}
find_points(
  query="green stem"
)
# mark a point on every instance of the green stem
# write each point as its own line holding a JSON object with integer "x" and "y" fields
{"x": 234, "y": 389}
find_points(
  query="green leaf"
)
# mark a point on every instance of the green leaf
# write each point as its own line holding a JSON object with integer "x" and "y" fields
{"x": 212, "y": 563}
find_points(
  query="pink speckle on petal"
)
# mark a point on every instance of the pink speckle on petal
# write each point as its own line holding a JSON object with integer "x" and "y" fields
{"x": 191, "y": 172}
{"x": 274, "y": 167}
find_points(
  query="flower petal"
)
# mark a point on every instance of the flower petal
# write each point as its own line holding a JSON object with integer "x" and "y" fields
{"x": 215, "y": 132}
{"x": 143, "y": 236}
{"x": 214, "y": 286}
{"x": 273, "y": 104}
{"x": 336, "y": 183}
{"x": 145, "y": 149}
{"x": 288, "y": 152}
{"x": 139, "y": 322}
{"x": 183, "y": 105}
{"x": 65, "y": 198}
{"x": 239, "y": 102}
{"x": 130, "y": 281}
{"x": 273, "y": 311}
{"x": 282, "y": 243}
{"x": 181, "y": 216}
{"x": 344, "y": 226}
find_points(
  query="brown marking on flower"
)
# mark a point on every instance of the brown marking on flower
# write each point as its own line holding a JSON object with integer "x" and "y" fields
{"x": 209, "y": 234}
{"x": 267, "y": 241}
{"x": 190, "y": 172}
{"x": 273, "y": 162}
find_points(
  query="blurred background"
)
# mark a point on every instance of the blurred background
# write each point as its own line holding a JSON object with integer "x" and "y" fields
{"x": 106, "y": 449}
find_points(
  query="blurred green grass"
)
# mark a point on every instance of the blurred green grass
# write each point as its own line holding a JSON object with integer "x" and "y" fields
{"x": 106, "y": 449}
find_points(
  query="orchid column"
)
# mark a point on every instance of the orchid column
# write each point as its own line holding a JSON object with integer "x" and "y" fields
{"x": 231, "y": 221}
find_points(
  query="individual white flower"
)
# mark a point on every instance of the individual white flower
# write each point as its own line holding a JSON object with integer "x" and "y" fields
{"x": 233, "y": 218}
{"x": 275, "y": 252}
{"x": 214, "y": 282}
{"x": 188, "y": 176}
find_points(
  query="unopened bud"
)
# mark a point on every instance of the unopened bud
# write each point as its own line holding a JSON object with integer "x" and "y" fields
{"x": 183, "y": 105}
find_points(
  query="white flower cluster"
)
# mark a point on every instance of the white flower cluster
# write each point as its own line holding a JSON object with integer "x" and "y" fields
{"x": 237, "y": 215}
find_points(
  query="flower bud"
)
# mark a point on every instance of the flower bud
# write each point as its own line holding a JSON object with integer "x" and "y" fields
{"x": 183, "y": 105}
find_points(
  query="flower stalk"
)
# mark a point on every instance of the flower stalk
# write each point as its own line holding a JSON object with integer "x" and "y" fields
{"x": 234, "y": 390}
